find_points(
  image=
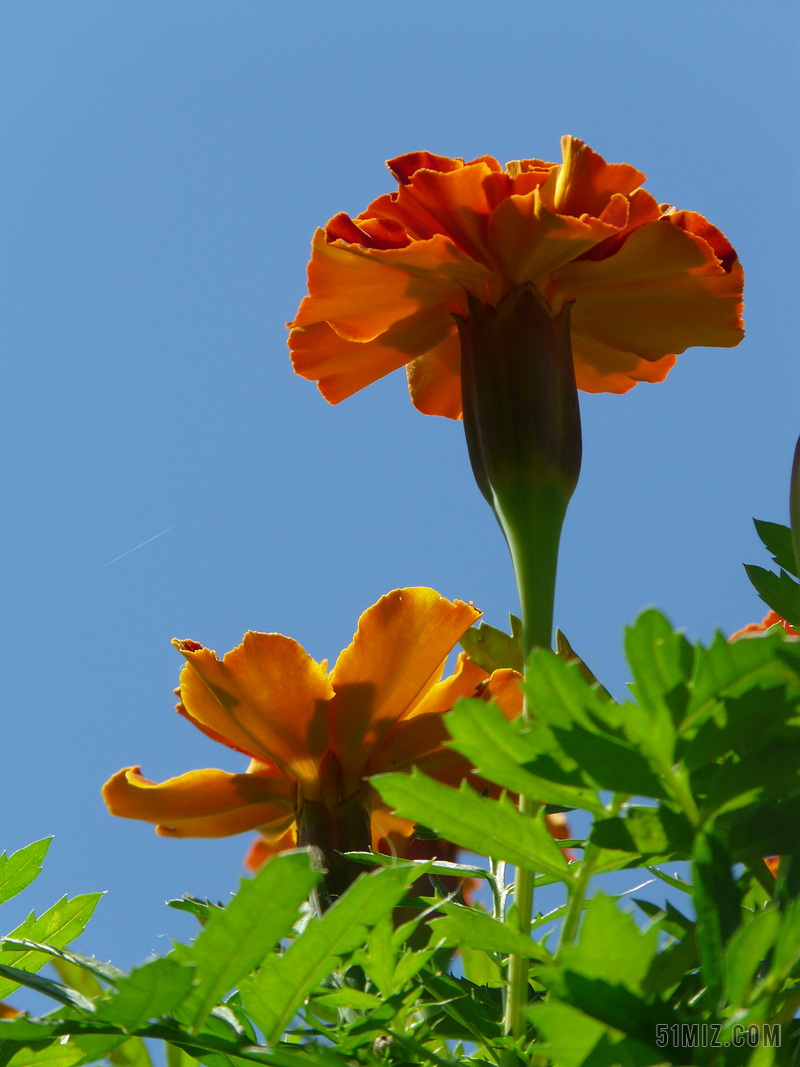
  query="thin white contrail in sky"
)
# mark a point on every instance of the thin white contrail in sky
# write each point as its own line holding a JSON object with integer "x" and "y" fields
{"x": 147, "y": 542}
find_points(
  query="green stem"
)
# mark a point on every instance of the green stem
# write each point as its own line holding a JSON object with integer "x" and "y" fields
{"x": 569, "y": 929}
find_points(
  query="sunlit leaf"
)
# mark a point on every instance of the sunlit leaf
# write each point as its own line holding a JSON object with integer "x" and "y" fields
{"x": 19, "y": 870}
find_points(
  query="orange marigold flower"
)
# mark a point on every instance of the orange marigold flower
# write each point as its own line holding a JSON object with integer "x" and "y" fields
{"x": 770, "y": 619}
{"x": 647, "y": 281}
{"x": 313, "y": 736}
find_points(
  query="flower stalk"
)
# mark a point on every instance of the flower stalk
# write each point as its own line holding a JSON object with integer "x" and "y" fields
{"x": 523, "y": 431}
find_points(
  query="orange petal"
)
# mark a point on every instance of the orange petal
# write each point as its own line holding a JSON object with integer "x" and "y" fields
{"x": 504, "y": 687}
{"x": 267, "y": 845}
{"x": 530, "y": 242}
{"x": 343, "y": 367}
{"x": 7, "y": 1012}
{"x": 206, "y": 803}
{"x": 461, "y": 201}
{"x": 434, "y": 379}
{"x": 362, "y": 292}
{"x": 584, "y": 183}
{"x": 396, "y": 656}
{"x": 268, "y": 697}
{"x": 463, "y": 682}
{"x": 663, "y": 291}
{"x": 601, "y": 368}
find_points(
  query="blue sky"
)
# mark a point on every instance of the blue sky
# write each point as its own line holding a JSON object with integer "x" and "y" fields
{"x": 164, "y": 168}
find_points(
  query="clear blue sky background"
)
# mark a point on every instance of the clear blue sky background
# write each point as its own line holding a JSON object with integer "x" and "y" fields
{"x": 164, "y": 167}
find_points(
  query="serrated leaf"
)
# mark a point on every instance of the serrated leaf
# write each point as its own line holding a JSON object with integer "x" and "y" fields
{"x": 778, "y": 591}
{"x": 743, "y": 724}
{"x": 150, "y": 991}
{"x": 52, "y": 1055}
{"x": 745, "y": 951}
{"x": 717, "y": 903}
{"x": 235, "y": 941}
{"x": 201, "y": 909}
{"x": 499, "y": 752}
{"x": 770, "y": 829}
{"x": 647, "y": 831}
{"x": 488, "y": 827}
{"x": 273, "y": 995}
{"x": 106, "y": 971}
{"x": 349, "y": 998}
{"x": 771, "y": 773}
{"x": 76, "y": 977}
{"x": 492, "y": 649}
{"x": 19, "y": 870}
{"x": 778, "y": 540}
{"x": 57, "y": 927}
{"x": 55, "y": 990}
{"x": 177, "y": 1057}
{"x": 465, "y": 926}
{"x": 480, "y": 968}
{"x": 661, "y": 661}
{"x": 567, "y": 653}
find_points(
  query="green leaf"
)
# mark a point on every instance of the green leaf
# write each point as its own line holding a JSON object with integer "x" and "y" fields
{"x": 769, "y": 829}
{"x": 574, "y": 1039}
{"x": 778, "y": 541}
{"x": 717, "y": 903}
{"x": 150, "y": 991}
{"x": 787, "y": 949}
{"x": 779, "y": 592}
{"x": 54, "y": 1054}
{"x": 466, "y": 926}
{"x": 771, "y": 773}
{"x": 745, "y": 951}
{"x": 442, "y": 868}
{"x": 107, "y": 971}
{"x": 273, "y": 996}
{"x": 661, "y": 661}
{"x": 55, "y": 990}
{"x": 648, "y": 831}
{"x": 177, "y": 1057}
{"x": 499, "y": 749}
{"x": 743, "y": 724}
{"x": 349, "y": 998}
{"x": 19, "y": 870}
{"x": 492, "y": 649}
{"x": 131, "y": 1053}
{"x": 57, "y": 927}
{"x": 488, "y": 827}
{"x": 201, "y": 909}
{"x": 480, "y": 968}
{"x": 567, "y": 653}
{"x": 235, "y": 941}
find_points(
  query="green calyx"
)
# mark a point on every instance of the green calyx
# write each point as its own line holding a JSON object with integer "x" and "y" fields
{"x": 523, "y": 430}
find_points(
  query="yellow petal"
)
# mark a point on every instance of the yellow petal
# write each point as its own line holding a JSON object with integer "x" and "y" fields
{"x": 207, "y": 803}
{"x": 268, "y": 697}
{"x": 442, "y": 697}
{"x": 396, "y": 656}
{"x": 505, "y": 687}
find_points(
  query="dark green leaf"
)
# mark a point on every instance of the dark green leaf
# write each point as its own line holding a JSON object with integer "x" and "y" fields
{"x": 743, "y": 724}
{"x": 465, "y": 926}
{"x": 717, "y": 903}
{"x": 779, "y": 592}
{"x": 19, "y": 870}
{"x": 764, "y": 775}
{"x": 648, "y": 831}
{"x": 567, "y": 653}
{"x": 778, "y": 541}
{"x": 155, "y": 989}
{"x": 442, "y": 868}
{"x": 574, "y": 1039}
{"x": 55, "y": 990}
{"x": 499, "y": 749}
{"x": 131, "y": 1053}
{"x": 57, "y": 927}
{"x": 770, "y": 829}
{"x": 273, "y": 995}
{"x": 235, "y": 941}
{"x": 488, "y": 827}
{"x": 611, "y": 762}
{"x": 492, "y": 649}
{"x": 745, "y": 951}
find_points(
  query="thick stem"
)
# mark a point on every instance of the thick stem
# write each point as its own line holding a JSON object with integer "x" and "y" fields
{"x": 569, "y": 929}
{"x": 328, "y": 832}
